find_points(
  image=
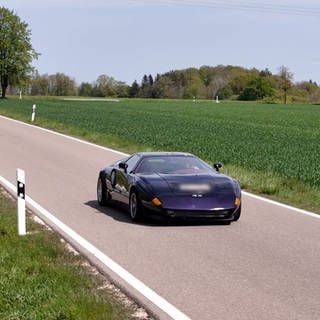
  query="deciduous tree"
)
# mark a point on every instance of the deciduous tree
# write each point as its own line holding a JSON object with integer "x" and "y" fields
{"x": 85, "y": 89}
{"x": 285, "y": 84}
{"x": 258, "y": 88}
{"x": 57, "y": 84}
{"x": 16, "y": 51}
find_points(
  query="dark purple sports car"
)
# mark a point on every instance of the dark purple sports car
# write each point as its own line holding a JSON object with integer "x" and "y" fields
{"x": 173, "y": 184}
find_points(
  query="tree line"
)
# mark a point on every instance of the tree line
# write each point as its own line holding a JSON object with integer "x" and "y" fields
{"x": 206, "y": 82}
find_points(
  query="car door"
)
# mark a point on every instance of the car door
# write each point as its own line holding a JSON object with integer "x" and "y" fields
{"x": 122, "y": 179}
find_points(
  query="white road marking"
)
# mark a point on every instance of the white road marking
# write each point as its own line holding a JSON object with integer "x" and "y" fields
{"x": 151, "y": 295}
{"x": 65, "y": 136}
{"x": 308, "y": 213}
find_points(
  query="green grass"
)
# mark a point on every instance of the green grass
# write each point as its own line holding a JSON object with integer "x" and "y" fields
{"x": 40, "y": 279}
{"x": 272, "y": 149}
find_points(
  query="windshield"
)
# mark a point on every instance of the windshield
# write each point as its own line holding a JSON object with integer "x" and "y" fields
{"x": 172, "y": 165}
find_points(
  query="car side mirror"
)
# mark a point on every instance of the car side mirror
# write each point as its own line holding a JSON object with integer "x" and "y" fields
{"x": 124, "y": 166}
{"x": 217, "y": 166}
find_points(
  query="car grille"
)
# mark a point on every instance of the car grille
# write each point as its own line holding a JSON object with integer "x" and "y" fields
{"x": 216, "y": 214}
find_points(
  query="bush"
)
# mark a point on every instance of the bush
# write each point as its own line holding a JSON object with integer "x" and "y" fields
{"x": 249, "y": 94}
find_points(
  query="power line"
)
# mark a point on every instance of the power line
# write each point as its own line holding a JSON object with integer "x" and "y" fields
{"x": 245, "y": 6}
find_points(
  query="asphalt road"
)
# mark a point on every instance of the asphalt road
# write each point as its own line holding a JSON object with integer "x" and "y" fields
{"x": 265, "y": 266}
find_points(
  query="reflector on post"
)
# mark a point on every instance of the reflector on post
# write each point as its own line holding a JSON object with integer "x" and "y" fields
{"x": 21, "y": 206}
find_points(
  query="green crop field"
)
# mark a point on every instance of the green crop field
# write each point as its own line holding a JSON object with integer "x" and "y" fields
{"x": 272, "y": 149}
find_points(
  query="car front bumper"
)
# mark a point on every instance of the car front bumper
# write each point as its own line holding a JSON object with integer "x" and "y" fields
{"x": 223, "y": 214}
{"x": 219, "y": 214}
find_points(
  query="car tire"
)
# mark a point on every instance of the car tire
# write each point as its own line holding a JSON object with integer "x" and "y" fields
{"x": 135, "y": 207}
{"x": 113, "y": 178}
{"x": 237, "y": 214}
{"x": 102, "y": 192}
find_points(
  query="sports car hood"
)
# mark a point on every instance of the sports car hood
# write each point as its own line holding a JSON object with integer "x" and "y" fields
{"x": 185, "y": 192}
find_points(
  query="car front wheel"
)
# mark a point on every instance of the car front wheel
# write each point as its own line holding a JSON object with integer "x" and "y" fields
{"x": 101, "y": 192}
{"x": 135, "y": 207}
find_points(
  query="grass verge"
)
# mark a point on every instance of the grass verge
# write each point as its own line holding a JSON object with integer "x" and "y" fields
{"x": 40, "y": 279}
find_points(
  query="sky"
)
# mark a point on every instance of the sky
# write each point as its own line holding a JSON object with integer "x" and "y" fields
{"x": 126, "y": 39}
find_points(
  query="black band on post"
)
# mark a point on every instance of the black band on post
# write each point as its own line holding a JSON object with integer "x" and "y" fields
{"x": 20, "y": 190}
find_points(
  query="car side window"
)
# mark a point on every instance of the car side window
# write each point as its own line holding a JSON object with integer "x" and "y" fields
{"x": 131, "y": 162}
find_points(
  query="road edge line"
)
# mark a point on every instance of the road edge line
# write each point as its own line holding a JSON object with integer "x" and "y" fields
{"x": 286, "y": 206}
{"x": 65, "y": 136}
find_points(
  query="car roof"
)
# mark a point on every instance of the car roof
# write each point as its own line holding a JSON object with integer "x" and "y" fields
{"x": 163, "y": 154}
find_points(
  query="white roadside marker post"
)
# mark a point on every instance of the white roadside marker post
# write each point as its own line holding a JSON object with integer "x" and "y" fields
{"x": 33, "y": 112}
{"x": 21, "y": 206}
